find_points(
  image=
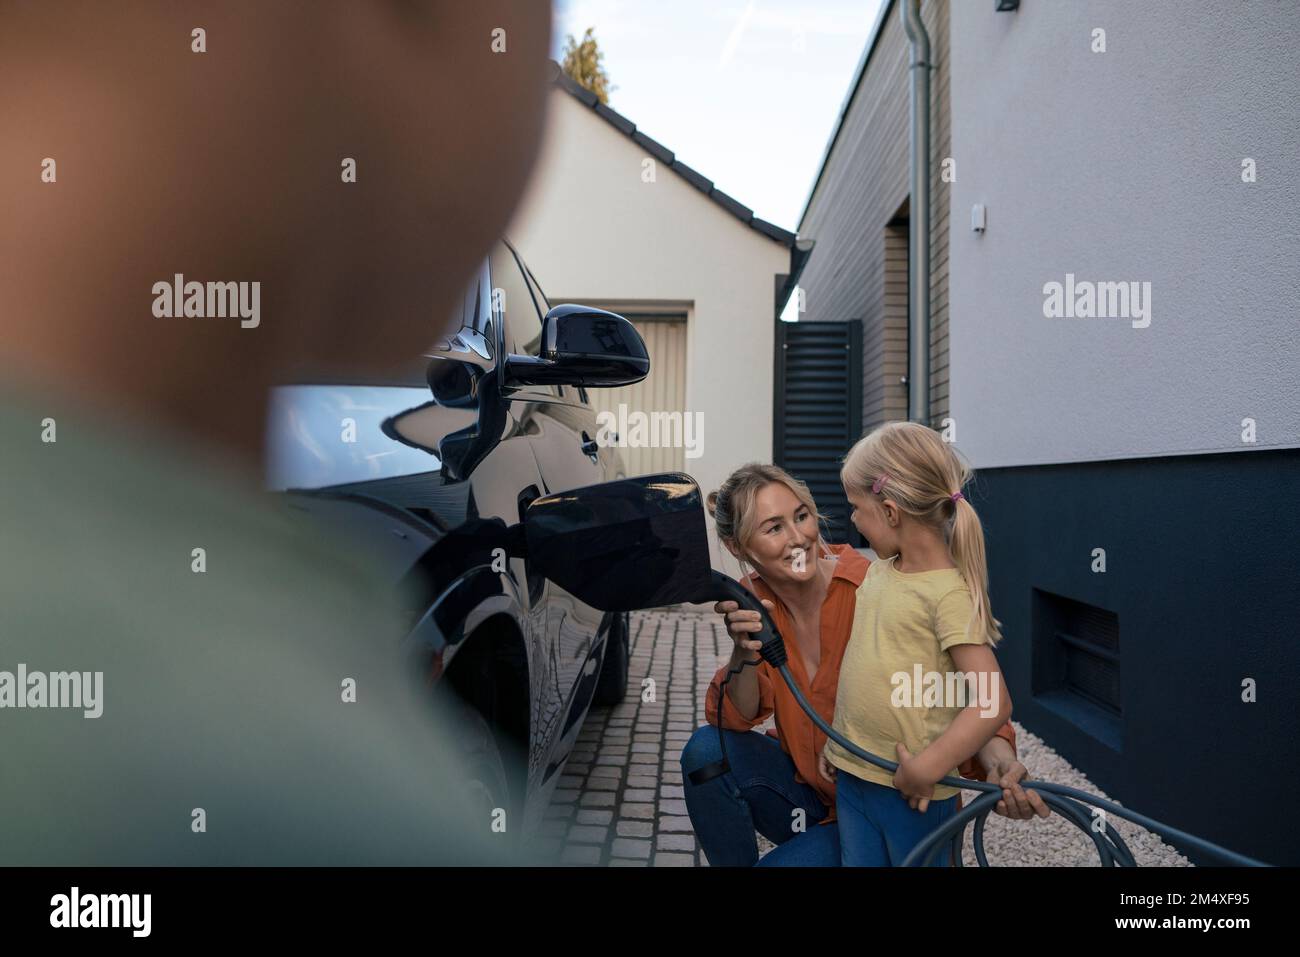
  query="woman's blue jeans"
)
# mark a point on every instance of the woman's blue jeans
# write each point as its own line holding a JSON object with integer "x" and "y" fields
{"x": 759, "y": 793}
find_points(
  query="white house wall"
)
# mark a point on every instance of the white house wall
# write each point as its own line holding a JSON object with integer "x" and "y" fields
{"x": 592, "y": 231}
{"x": 1118, "y": 166}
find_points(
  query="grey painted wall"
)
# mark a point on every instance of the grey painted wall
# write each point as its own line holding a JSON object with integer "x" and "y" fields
{"x": 1125, "y": 165}
{"x": 1198, "y": 613}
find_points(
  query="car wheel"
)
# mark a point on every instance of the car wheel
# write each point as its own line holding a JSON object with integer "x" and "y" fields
{"x": 612, "y": 686}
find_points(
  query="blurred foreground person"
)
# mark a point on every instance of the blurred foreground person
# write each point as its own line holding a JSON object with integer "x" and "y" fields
{"x": 213, "y": 641}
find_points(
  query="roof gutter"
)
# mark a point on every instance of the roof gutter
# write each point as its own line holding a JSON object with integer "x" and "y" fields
{"x": 918, "y": 281}
{"x": 787, "y": 282}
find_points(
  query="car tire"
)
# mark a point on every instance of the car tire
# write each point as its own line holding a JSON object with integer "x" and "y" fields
{"x": 486, "y": 784}
{"x": 612, "y": 686}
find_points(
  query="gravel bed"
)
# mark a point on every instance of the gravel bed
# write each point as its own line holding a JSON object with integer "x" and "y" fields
{"x": 1051, "y": 841}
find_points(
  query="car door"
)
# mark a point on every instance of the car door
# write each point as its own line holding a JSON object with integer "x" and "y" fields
{"x": 430, "y": 443}
{"x": 561, "y": 431}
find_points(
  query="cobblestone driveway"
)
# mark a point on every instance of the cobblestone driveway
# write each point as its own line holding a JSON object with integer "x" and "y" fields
{"x": 619, "y": 800}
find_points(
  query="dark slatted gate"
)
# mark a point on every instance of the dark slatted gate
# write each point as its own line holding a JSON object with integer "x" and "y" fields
{"x": 817, "y": 411}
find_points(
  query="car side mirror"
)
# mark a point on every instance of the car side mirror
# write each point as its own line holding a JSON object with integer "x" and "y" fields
{"x": 582, "y": 346}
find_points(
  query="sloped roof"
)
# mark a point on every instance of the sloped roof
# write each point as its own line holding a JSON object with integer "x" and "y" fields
{"x": 665, "y": 156}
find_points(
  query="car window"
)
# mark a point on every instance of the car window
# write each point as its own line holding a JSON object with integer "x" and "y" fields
{"x": 542, "y": 304}
{"x": 539, "y": 298}
{"x": 512, "y": 303}
{"x": 323, "y": 435}
{"x": 519, "y": 300}
{"x": 478, "y": 308}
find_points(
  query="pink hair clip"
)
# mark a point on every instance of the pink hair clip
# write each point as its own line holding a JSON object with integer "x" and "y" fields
{"x": 956, "y": 495}
{"x": 879, "y": 483}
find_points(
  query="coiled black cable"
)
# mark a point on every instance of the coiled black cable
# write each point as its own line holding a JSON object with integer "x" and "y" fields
{"x": 717, "y": 768}
{"x": 1065, "y": 800}
{"x": 1069, "y": 802}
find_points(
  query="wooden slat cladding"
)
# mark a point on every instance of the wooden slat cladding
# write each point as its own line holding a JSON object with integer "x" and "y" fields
{"x": 859, "y": 267}
{"x": 893, "y": 370}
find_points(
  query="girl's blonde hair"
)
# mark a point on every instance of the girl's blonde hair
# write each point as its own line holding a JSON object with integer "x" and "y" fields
{"x": 732, "y": 504}
{"x": 910, "y": 464}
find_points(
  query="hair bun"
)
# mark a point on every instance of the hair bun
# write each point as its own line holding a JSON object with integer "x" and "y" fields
{"x": 711, "y": 503}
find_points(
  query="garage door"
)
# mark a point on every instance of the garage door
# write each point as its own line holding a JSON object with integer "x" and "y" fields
{"x": 663, "y": 390}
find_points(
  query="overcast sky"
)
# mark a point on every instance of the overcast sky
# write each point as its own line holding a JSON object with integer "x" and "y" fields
{"x": 744, "y": 91}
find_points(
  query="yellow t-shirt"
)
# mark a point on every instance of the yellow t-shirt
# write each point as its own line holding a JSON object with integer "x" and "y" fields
{"x": 903, "y": 625}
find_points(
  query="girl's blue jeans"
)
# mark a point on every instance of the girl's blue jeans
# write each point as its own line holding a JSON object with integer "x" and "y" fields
{"x": 879, "y": 829}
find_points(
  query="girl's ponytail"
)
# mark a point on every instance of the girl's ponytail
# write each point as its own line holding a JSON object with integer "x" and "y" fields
{"x": 968, "y": 552}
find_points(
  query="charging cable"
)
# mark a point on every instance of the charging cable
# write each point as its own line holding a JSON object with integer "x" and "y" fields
{"x": 1070, "y": 803}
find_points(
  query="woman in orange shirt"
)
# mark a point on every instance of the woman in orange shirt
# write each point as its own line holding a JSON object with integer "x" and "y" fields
{"x": 768, "y": 520}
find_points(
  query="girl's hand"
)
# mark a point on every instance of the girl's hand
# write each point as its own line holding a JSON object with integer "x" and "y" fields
{"x": 914, "y": 779}
{"x": 1017, "y": 803}
{"x": 825, "y": 768}
{"x": 743, "y": 624}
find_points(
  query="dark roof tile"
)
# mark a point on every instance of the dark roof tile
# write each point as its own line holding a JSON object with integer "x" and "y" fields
{"x": 571, "y": 85}
{"x": 702, "y": 183}
{"x": 776, "y": 232}
{"x": 665, "y": 155}
{"x": 656, "y": 149}
{"x": 734, "y": 206}
{"x": 618, "y": 119}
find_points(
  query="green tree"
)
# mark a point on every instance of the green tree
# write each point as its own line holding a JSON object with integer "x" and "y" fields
{"x": 583, "y": 64}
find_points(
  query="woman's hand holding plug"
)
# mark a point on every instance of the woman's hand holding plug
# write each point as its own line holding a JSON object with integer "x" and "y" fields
{"x": 742, "y": 624}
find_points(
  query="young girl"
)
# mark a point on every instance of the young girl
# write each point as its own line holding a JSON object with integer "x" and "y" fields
{"x": 921, "y": 616}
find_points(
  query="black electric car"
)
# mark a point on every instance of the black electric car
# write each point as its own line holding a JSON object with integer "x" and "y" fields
{"x": 431, "y": 470}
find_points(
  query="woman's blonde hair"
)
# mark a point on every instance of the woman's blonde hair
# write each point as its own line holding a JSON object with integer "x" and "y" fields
{"x": 913, "y": 466}
{"x": 732, "y": 504}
